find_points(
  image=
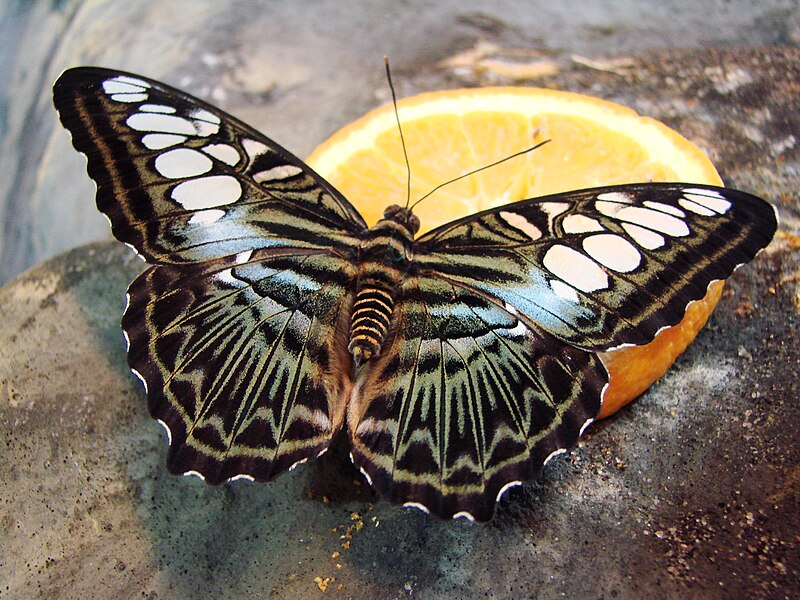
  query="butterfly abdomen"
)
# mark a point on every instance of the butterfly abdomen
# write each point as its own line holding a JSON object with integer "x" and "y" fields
{"x": 372, "y": 314}
{"x": 385, "y": 254}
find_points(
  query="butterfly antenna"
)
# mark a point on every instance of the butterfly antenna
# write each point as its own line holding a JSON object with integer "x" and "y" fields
{"x": 478, "y": 170}
{"x": 400, "y": 129}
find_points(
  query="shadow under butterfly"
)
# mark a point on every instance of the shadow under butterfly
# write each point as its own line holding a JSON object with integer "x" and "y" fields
{"x": 462, "y": 360}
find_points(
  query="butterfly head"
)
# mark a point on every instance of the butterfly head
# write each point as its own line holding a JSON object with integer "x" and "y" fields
{"x": 402, "y": 216}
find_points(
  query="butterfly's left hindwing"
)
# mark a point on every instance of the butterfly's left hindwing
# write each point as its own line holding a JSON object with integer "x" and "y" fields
{"x": 244, "y": 359}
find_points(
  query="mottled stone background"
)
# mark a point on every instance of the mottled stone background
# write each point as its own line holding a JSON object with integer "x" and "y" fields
{"x": 691, "y": 492}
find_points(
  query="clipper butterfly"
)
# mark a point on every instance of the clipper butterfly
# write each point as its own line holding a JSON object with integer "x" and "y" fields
{"x": 272, "y": 317}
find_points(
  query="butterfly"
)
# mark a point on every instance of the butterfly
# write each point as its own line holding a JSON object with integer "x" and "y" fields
{"x": 461, "y": 360}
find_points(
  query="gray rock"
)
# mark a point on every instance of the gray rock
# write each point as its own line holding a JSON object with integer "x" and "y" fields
{"x": 692, "y": 491}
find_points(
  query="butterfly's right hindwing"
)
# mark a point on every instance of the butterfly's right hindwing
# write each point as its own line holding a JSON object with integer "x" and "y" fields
{"x": 466, "y": 400}
{"x": 181, "y": 181}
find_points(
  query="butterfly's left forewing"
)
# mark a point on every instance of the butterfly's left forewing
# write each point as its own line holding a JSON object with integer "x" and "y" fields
{"x": 182, "y": 181}
{"x": 238, "y": 329}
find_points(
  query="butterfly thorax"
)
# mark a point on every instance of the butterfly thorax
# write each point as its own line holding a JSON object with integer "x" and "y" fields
{"x": 384, "y": 255}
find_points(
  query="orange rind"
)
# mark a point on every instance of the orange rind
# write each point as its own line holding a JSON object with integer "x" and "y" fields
{"x": 592, "y": 143}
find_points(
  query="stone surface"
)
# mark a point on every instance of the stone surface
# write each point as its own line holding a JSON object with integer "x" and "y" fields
{"x": 692, "y": 491}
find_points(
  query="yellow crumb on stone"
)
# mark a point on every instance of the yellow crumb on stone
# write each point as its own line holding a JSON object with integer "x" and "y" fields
{"x": 323, "y": 583}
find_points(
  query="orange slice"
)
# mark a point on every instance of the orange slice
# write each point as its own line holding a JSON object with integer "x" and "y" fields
{"x": 593, "y": 143}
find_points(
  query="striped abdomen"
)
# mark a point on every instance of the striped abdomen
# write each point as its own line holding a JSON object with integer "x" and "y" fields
{"x": 384, "y": 253}
{"x": 372, "y": 313}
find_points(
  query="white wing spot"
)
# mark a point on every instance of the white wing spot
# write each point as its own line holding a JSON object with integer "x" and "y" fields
{"x": 242, "y": 258}
{"x": 553, "y": 209}
{"x": 716, "y": 203}
{"x": 608, "y": 208}
{"x": 206, "y": 217}
{"x": 166, "y": 428}
{"x": 118, "y": 86}
{"x": 203, "y": 115}
{"x": 159, "y": 141}
{"x": 298, "y": 463}
{"x": 574, "y": 268}
{"x": 507, "y": 487}
{"x": 463, "y": 515}
{"x": 157, "y": 108}
{"x": 369, "y": 479}
{"x": 254, "y": 148}
{"x": 616, "y": 197}
{"x": 226, "y": 276}
{"x": 553, "y": 454}
{"x": 644, "y": 237}
{"x": 182, "y": 162}
{"x": 519, "y": 330}
{"x": 416, "y": 505}
{"x": 223, "y": 152}
{"x": 144, "y": 383}
{"x": 704, "y": 192}
{"x": 697, "y": 209}
{"x": 564, "y": 291}
{"x": 204, "y": 128}
{"x": 277, "y": 173}
{"x": 613, "y": 251}
{"x": 646, "y": 217}
{"x": 129, "y": 97}
{"x": 666, "y": 208}
{"x": 131, "y": 80}
{"x": 580, "y": 224}
{"x": 207, "y": 192}
{"x": 522, "y": 224}
{"x": 160, "y": 123}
